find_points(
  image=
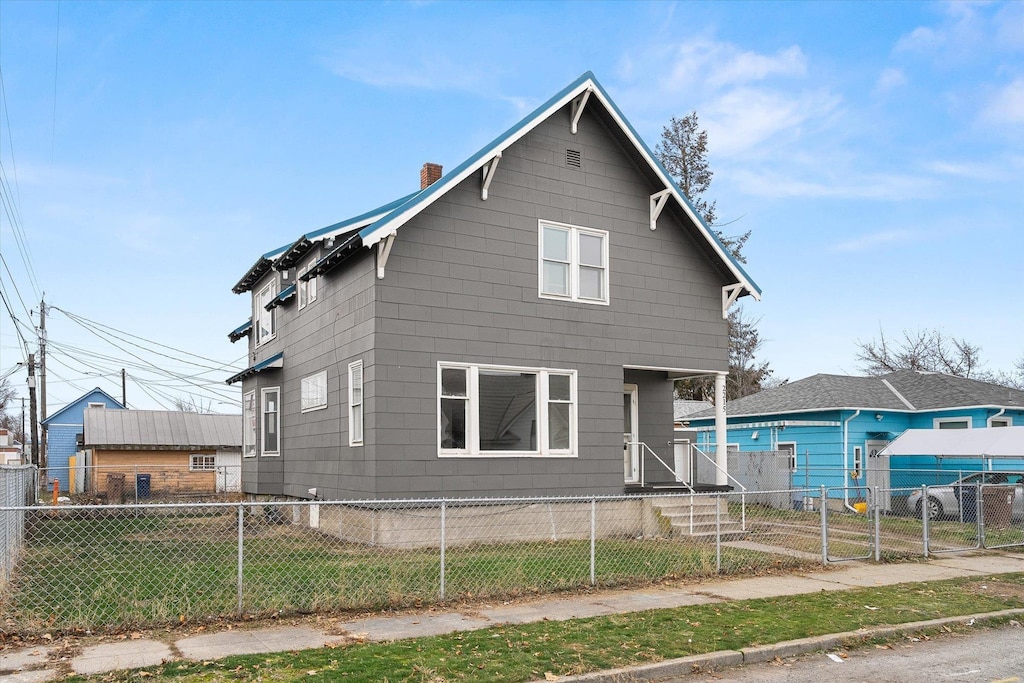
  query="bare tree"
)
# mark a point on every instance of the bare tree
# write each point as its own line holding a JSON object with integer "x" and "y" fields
{"x": 930, "y": 350}
{"x": 747, "y": 375}
{"x": 12, "y": 423}
{"x": 191, "y": 405}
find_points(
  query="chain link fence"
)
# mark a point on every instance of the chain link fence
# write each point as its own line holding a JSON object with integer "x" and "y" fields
{"x": 16, "y": 485}
{"x": 117, "y": 566}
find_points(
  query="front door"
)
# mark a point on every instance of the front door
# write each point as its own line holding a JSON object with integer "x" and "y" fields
{"x": 630, "y": 434}
{"x": 878, "y": 473}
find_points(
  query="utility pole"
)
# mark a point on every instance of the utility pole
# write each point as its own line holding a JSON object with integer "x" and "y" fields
{"x": 42, "y": 381}
{"x": 124, "y": 389}
{"x": 34, "y": 425}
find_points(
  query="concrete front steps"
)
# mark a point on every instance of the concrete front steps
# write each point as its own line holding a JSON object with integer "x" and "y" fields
{"x": 698, "y": 517}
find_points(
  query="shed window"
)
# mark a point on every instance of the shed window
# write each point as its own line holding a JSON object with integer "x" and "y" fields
{"x": 199, "y": 462}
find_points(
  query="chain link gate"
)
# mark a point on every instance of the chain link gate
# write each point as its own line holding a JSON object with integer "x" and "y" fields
{"x": 848, "y": 534}
{"x": 951, "y": 518}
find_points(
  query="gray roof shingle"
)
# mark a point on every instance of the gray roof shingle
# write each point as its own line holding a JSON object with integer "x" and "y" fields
{"x": 923, "y": 390}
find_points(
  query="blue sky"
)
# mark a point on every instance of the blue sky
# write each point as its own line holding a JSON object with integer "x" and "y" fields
{"x": 154, "y": 150}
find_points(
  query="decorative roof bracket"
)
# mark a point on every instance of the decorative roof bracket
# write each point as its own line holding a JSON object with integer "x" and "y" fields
{"x": 383, "y": 251}
{"x": 488, "y": 175}
{"x": 578, "y": 105}
{"x": 729, "y": 295}
{"x": 658, "y": 201}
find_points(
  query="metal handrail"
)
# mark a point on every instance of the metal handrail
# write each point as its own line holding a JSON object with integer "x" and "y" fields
{"x": 648, "y": 449}
{"x": 743, "y": 489}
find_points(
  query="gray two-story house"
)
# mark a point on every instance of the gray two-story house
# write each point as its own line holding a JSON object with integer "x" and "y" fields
{"x": 512, "y": 328}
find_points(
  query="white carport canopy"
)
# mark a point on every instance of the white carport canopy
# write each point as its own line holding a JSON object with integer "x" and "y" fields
{"x": 994, "y": 442}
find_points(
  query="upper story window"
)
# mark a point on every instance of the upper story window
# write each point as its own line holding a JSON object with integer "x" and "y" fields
{"x": 494, "y": 410}
{"x": 573, "y": 263}
{"x": 307, "y": 288}
{"x": 264, "y": 321}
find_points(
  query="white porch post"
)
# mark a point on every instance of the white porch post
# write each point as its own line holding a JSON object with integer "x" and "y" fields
{"x": 721, "y": 452}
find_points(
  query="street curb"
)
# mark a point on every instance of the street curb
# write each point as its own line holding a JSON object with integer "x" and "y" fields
{"x": 765, "y": 653}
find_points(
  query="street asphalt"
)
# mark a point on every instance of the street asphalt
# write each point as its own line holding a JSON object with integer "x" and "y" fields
{"x": 47, "y": 663}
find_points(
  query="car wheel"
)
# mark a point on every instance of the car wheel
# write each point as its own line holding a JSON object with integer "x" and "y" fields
{"x": 934, "y": 508}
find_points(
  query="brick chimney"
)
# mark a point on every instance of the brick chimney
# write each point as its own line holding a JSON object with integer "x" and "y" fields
{"x": 429, "y": 174}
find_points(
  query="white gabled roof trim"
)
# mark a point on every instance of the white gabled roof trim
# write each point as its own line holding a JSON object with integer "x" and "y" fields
{"x": 586, "y": 84}
{"x": 898, "y": 394}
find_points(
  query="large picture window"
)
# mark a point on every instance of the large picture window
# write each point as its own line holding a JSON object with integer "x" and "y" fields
{"x": 249, "y": 424}
{"x": 497, "y": 410}
{"x": 573, "y": 263}
{"x": 263, "y": 321}
{"x": 271, "y": 422}
{"x": 313, "y": 392}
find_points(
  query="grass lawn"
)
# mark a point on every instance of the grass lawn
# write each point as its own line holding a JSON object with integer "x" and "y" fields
{"x": 527, "y": 652}
{"x": 150, "y": 570}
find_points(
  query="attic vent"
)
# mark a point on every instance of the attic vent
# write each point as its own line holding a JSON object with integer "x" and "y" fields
{"x": 572, "y": 158}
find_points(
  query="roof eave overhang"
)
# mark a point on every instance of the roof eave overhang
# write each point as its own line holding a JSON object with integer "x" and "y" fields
{"x": 242, "y": 330}
{"x": 286, "y": 294}
{"x": 335, "y": 257}
{"x": 274, "y": 362}
{"x": 253, "y": 275}
{"x": 293, "y": 254}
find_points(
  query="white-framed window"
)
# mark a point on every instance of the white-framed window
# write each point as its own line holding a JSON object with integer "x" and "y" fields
{"x": 200, "y": 462}
{"x": 271, "y": 409}
{"x": 952, "y": 423}
{"x": 249, "y": 424}
{"x": 1000, "y": 422}
{"x": 313, "y": 392}
{"x": 493, "y": 410}
{"x": 264, "y": 321}
{"x": 355, "y": 403}
{"x": 858, "y": 460}
{"x": 307, "y": 288}
{"x": 573, "y": 263}
{"x": 789, "y": 448}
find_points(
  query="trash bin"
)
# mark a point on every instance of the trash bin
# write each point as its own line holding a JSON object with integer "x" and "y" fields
{"x": 997, "y": 505}
{"x": 142, "y": 485}
{"x": 967, "y": 497}
{"x": 115, "y": 488}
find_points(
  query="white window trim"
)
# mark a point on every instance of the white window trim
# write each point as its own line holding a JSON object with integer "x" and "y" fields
{"x": 259, "y": 312}
{"x": 858, "y": 459}
{"x": 352, "y": 441}
{"x": 307, "y": 289}
{"x": 250, "y": 395}
{"x": 322, "y": 375}
{"x": 1007, "y": 419}
{"x": 942, "y": 420}
{"x": 792, "y": 455}
{"x": 574, "y": 264}
{"x": 472, "y": 449}
{"x": 263, "y": 423}
{"x": 192, "y": 462}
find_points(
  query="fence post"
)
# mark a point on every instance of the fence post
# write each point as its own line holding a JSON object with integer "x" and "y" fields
{"x": 925, "y": 522}
{"x": 593, "y": 540}
{"x": 443, "y": 510}
{"x": 878, "y": 523}
{"x": 241, "y": 553}
{"x": 136, "y": 468}
{"x": 979, "y": 515}
{"x": 823, "y": 508}
{"x": 718, "y": 534}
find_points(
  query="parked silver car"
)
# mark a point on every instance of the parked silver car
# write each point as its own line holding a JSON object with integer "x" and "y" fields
{"x": 944, "y": 501}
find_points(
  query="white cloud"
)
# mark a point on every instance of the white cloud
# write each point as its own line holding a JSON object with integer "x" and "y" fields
{"x": 873, "y": 241}
{"x": 428, "y": 72}
{"x": 1007, "y": 106}
{"x": 890, "y": 79}
{"x": 921, "y": 39}
{"x": 813, "y": 183}
{"x": 719, "y": 65}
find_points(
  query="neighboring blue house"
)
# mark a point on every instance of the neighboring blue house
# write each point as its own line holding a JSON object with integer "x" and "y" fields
{"x": 835, "y": 425}
{"x": 64, "y": 426}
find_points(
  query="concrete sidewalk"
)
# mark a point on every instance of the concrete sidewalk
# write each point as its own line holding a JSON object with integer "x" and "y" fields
{"x": 43, "y": 663}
